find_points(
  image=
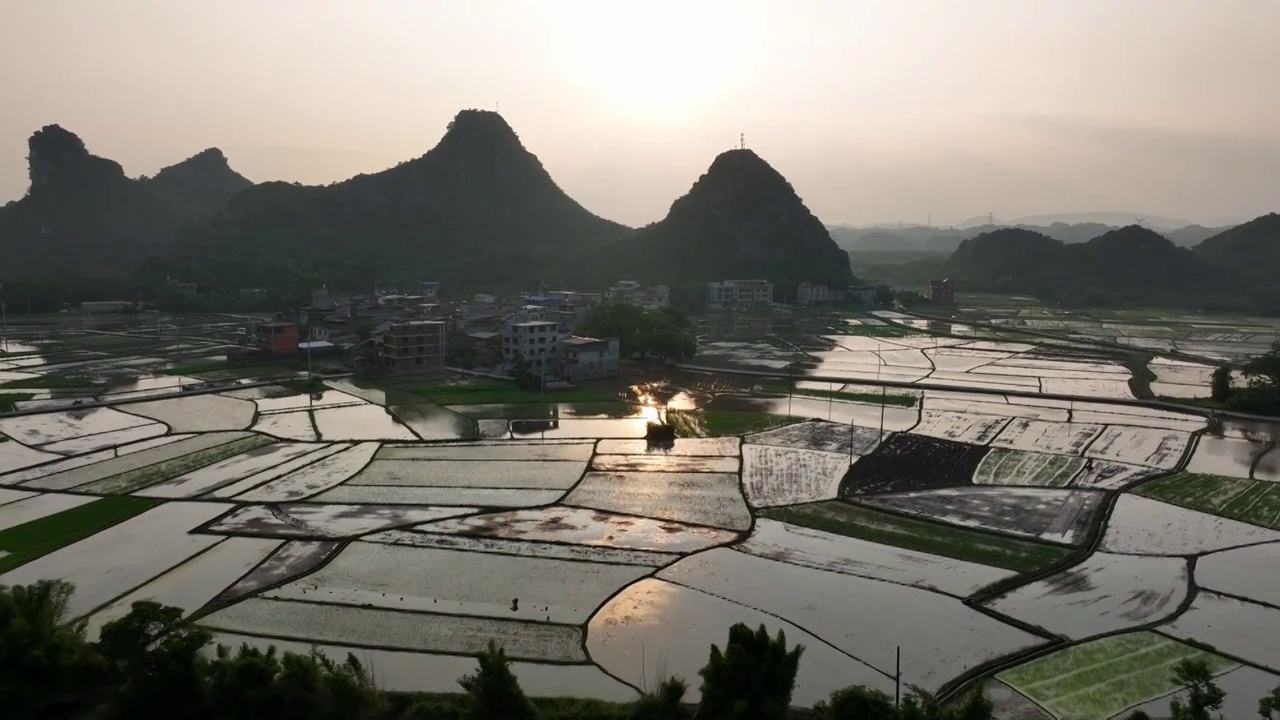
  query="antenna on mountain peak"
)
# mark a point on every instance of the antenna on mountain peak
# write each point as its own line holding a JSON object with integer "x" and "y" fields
{"x": 1139, "y": 221}
{"x": 497, "y": 106}
{"x": 742, "y": 141}
{"x": 991, "y": 218}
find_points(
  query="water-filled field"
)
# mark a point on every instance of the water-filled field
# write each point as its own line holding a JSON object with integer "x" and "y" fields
{"x": 1035, "y": 547}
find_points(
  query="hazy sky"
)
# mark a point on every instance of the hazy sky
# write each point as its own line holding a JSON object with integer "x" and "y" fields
{"x": 875, "y": 110}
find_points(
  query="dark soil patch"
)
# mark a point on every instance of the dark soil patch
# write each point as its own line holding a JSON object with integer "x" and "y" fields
{"x": 907, "y": 462}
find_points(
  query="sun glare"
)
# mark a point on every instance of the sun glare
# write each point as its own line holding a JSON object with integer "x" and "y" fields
{"x": 650, "y": 64}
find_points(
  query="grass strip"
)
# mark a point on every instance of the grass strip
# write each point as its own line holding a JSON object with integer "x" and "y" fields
{"x": 49, "y": 382}
{"x": 783, "y": 387}
{"x": 723, "y": 423}
{"x": 28, "y": 541}
{"x": 496, "y": 391}
{"x": 224, "y": 371}
{"x": 129, "y": 481}
{"x": 1252, "y": 501}
{"x": 9, "y": 401}
{"x": 842, "y": 518}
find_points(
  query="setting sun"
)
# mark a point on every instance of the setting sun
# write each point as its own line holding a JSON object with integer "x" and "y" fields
{"x": 645, "y": 64}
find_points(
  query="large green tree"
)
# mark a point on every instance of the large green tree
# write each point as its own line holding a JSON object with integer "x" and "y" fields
{"x": 663, "y": 334}
{"x": 752, "y": 679}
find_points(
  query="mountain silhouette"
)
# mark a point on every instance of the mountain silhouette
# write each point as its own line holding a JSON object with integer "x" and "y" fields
{"x": 1129, "y": 263}
{"x": 201, "y": 185}
{"x": 81, "y": 214}
{"x": 741, "y": 219}
{"x": 477, "y": 210}
{"x": 1252, "y": 249}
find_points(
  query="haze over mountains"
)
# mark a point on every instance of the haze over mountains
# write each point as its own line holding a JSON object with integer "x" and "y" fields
{"x": 480, "y": 212}
{"x": 925, "y": 239}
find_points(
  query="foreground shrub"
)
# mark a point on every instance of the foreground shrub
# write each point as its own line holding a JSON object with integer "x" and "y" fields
{"x": 49, "y": 669}
{"x": 856, "y": 702}
{"x": 752, "y": 679}
{"x": 665, "y": 704}
{"x": 495, "y": 693}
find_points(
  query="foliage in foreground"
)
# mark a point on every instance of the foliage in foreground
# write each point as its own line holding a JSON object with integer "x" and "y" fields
{"x": 752, "y": 679}
{"x": 150, "y": 664}
{"x": 1261, "y": 396}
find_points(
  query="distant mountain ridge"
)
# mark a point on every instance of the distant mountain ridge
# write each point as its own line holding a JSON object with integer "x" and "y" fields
{"x": 202, "y": 184}
{"x": 1129, "y": 264}
{"x": 741, "y": 219}
{"x": 920, "y": 238}
{"x": 1251, "y": 249}
{"x": 477, "y": 211}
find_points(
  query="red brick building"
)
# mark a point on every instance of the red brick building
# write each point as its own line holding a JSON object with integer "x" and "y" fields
{"x": 279, "y": 338}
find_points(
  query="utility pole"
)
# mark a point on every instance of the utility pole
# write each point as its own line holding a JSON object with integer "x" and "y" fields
{"x": 882, "y": 393}
{"x": 4, "y": 318}
{"x": 897, "y": 679}
{"x": 791, "y": 386}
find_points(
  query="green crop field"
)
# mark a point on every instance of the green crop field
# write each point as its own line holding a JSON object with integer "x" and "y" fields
{"x": 1251, "y": 501}
{"x": 1099, "y": 679}
{"x": 8, "y": 401}
{"x": 26, "y": 542}
{"x": 1017, "y": 467}
{"x": 132, "y": 480}
{"x": 723, "y": 423}
{"x": 49, "y": 381}
{"x": 842, "y": 518}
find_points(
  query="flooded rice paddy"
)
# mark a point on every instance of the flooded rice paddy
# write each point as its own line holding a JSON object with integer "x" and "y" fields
{"x": 372, "y": 521}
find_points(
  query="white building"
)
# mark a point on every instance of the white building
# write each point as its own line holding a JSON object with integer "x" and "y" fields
{"x": 740, "y": 293}
{"x": 810, "y": 294}
{"x": 537, "y": 341}
{"x": 633, "y": 293}
{"x": 864, "y": 294}
{"x": 587, "y": 358}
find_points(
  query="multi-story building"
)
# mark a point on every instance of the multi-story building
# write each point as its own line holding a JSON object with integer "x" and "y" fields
{"x": 537, "y": 341}
{"x": 586, "y": 358}
{"x": 942, "y": 292}
{"x": 412, "y": 346}
{"x": 278, "y": 338}
{"x": 811, "y": 294}
{"x": 864, "y": 294}
{"x": 740, "y": 293}
{"x": 633, "y": 293}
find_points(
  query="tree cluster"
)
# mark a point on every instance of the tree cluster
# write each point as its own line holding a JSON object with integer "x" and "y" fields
{"x": 663, "y": 334}
{"x": 1261, "y": 396}
{"x": 150, "y": 663}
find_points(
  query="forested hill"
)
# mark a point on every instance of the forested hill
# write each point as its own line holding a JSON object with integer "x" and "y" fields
{"x": 81, "y": 214}
{"x": 741, "y": 219}
{"x": 82, "y": 217}
{"x": 478, "y": 210}
{"x": 202, "y": 184}
{"x": 943, "y": 240}
{"x": 1131, "y": 264}
{"x": 1252, "y": 249}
